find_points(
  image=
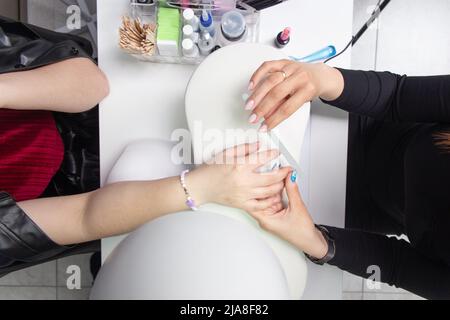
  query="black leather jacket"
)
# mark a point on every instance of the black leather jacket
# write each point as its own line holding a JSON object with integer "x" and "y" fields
{"x": 24, "y": 46}
{"x": 22, "y": 242}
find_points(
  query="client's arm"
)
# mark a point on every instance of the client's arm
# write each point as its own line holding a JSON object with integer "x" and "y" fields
{"x": 122, "y": 207}
{"x": 73, "y": 85}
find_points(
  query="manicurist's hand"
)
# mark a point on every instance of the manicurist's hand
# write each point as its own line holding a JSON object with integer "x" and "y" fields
{"x": 279, "y": 88}
{"x": 233, "y": 180}
{"x": 293, "y": 223}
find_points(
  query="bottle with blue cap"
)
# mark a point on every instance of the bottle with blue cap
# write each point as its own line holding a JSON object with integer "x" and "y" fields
{"x": 207, "y": 23}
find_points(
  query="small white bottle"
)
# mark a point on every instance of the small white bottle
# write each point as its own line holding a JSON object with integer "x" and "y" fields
{"x": 189, "y": 48}
{"x": 188, "y": 33}
{"x": 207, "y": 23}
{"x": 189, "y": 18}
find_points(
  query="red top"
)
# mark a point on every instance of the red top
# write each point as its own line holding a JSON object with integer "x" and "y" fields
{"x": 31, "y": 152}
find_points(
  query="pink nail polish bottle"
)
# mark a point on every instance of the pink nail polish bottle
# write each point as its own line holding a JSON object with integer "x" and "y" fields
{"x": 283, "y": 38}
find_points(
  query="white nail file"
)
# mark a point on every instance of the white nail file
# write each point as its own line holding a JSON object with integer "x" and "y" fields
{"x": 285, "y": 152}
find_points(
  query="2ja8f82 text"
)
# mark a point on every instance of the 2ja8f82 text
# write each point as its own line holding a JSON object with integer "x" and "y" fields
{"x": 229, "y": 310}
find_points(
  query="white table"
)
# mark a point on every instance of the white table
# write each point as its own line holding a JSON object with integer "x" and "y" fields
{"x": 147, "y": 101}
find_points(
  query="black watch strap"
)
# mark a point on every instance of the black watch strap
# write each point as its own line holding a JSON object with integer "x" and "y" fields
{"x": 331, "y": 247}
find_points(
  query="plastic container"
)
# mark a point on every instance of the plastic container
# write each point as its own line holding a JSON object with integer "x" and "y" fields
{"x": 233, "y": 28}
{"x": 147, "y": 13}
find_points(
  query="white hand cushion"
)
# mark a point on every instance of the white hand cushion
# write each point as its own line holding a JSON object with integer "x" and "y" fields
{"x": 217, "y": 120}
{"x": 192, "y": 256}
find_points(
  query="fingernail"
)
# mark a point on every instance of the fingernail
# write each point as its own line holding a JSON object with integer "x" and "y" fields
{"x": 294, "y": 176}
{"x": 250, "y": 104}
{"x": 253, "y": 118}
{"x": 263, "y": 128}
{"x": 250, "y": 85}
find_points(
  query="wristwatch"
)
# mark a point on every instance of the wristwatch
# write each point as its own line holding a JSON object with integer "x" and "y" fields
{"x": 331, "y": 247}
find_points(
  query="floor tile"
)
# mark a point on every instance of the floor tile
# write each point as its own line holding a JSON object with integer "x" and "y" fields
{"x": 352, "y": 296}
{"x": 383, "y": 288}
{"x": 66, "y": 294}
{"x": 390, "y": 296}
{"x": 27, "y": 293}
{"x": 413, "y": 37}
{"x": 364, "y": 51}
{"x": 40, "y": 275}
{"x": 41, "y": 12}
{"x": 352, "y": 283}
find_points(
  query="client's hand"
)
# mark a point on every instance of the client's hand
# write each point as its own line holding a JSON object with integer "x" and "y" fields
{"x": 232, "y": 179}
{"x": 279, "y": 88}
{"x": 293, "y": 224}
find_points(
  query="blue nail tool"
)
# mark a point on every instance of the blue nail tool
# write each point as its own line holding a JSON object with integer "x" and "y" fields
{"x": 294, "y": 176}
{"x": 322, "y": 54}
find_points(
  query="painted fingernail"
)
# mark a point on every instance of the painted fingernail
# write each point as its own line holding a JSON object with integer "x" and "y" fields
{"x": 253, "y": 118}
{"x": 250, "y": 104}
{"x": 294, "y": 176}
{"x": 251, "y": 85}
{"x": 263, "y": 128}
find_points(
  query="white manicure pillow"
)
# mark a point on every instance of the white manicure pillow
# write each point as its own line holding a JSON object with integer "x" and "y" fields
{"x": 218, "y": 252}
{"x": 191, "y": 256}
{"x": 217, "y": 119}
{"x": 188, "y": 255}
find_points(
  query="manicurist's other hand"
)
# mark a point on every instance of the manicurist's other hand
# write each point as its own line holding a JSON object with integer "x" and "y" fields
{"x": 293, "y": 223}
{"x": 233, "y": 179}
{"x": 279, "y": 88}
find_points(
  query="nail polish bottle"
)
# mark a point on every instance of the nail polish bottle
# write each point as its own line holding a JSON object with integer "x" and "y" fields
{"x": 283, "y": 38}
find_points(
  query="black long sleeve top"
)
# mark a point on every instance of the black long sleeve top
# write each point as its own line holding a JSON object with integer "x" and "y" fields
{"x": 410, "y": 181}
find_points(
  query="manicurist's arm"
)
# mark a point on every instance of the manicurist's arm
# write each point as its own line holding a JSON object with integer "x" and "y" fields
{"x": 396, "y": 260}
{"x": 390, "y": 97}
{"x": 359, "y": 252}
{"x": 121, "y": 207}
{"x": 73, "y": 85}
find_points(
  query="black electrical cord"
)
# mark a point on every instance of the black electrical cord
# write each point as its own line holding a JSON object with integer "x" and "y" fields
{"x": 350, "y": 43}
{"x": 375, "y": 14}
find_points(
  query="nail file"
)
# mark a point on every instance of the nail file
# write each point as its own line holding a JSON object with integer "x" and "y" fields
{"x": 285, "y": 152}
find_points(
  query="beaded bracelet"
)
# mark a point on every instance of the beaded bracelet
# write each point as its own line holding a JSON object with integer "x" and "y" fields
{"x": 189, "y": 201}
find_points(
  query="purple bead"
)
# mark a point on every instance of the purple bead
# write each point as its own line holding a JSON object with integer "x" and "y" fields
{"x": 190, "y": 203}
